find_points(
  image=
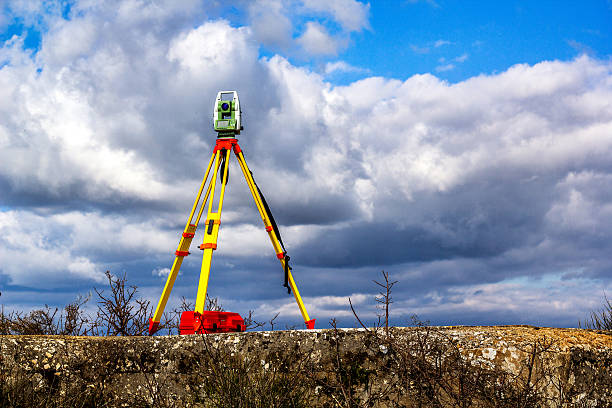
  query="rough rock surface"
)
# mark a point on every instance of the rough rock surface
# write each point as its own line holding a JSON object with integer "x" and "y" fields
{"x": 442, "y": 366}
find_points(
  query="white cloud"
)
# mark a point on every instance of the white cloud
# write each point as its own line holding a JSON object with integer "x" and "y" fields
{"x": 582, "y": 210}
{"x": 543, "y": 299}
{"x": 450, "y": 66}
{"x": 342, "y": 66}
{"x": 445, "y": 67}
{"x": 32, "y": 12}
{"x": 440, "y": 43}
{"x": 210, "y": 46}
{"x": 580, "y": 47}
{"x": 161, "y": 272}
{"x": 86, "y": 110}
{"x": 423, "y": 106}
{"x": 461, "y": 58}
{"x": 270, "y": 23}
{"x": 32, "y": 254}
{"x": 65, "y": 49}
{"x": 12, "y": 52}
{"x": 351, "y": 14}
{"x": 316, "y": 40}
{"x": 328, "y": 24}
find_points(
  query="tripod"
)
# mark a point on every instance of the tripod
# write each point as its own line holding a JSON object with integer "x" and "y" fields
{"x": 219, "y": 163}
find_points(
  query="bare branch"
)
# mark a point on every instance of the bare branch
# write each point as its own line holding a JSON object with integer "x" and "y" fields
{"x": 120, "y": 312}
{"x": 357, "y": 317}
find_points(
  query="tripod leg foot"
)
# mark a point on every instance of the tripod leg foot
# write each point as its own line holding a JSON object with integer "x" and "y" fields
{"x": 153, "y": 327}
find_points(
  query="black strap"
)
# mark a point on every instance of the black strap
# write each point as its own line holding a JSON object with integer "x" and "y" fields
{"x": 222, "y": 166}
{"x": 287, "y": 269}
{"x": 272, "y": 220}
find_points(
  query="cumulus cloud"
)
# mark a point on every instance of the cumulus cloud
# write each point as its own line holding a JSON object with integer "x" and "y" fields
{"x": 352, "y": 15}
{"x": 317, "y": 41}
{"x": 37, "y": 254}
{"x": 270, "y": 23}
{"x": 306, "y": 28}
{"x": 513, "y": 302}
{"x": 451, "y": 187}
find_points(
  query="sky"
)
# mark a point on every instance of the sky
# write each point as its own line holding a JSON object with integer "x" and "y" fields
{"x": 463, "y": 147}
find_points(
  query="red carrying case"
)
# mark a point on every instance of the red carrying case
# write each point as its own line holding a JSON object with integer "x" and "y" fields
{"x": 210, "y": 322}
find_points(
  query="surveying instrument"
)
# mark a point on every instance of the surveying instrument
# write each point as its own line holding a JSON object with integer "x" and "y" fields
{"x": 227, "y": 124}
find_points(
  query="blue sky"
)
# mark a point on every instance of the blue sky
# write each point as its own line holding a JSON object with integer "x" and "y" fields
{"x": 462, "y": 146}
{"x": 491, "y": 36}
{"x": 456, "y": 40}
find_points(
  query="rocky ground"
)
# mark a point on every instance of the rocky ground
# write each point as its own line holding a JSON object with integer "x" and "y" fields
{"x": 512, "y": 366}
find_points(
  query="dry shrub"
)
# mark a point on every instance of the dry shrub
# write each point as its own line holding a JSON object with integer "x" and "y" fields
{"x": 600, "y": 319}
{"x": 120, "y": 312}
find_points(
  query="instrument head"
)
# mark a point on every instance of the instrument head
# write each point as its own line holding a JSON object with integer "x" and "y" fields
{"x": 226, "y": 116}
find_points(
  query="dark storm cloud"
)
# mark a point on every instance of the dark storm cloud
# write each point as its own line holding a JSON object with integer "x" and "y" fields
{"x": 477, "y": 220}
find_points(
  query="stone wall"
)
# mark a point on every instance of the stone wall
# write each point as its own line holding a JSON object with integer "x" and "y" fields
{"x": 422, "y": 366}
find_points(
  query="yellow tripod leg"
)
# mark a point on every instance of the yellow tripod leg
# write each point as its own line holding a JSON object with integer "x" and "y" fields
{"x": 273, "y": 238}
{"x": 211, "y": 233}
{"x": 181, "y": 252}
